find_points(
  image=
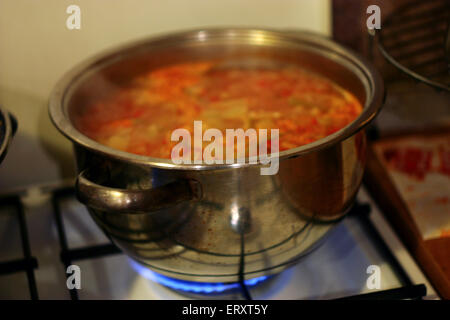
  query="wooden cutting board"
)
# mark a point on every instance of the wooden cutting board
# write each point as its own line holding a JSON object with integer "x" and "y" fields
{"x": 385, "y": 180}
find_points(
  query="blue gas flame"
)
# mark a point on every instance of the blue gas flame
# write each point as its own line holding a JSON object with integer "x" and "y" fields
{"x": 191, "y": 286}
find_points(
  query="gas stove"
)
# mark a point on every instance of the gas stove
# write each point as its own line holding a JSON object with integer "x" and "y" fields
{"x": 45, "y": 230}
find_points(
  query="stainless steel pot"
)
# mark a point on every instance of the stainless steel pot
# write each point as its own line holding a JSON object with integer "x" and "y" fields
{"x": 187, "y": 221}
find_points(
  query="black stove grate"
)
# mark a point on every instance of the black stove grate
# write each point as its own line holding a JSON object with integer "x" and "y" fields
{"x": 28, "y": 263}
{"x": 68, "y": 256}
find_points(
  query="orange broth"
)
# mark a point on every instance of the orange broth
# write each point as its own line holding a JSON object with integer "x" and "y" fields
{"x": 141, "y": 117}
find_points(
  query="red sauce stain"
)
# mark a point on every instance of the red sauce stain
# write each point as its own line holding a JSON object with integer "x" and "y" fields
{"x": 441, "y": 200}
{"x": 411, "y": 161}
{"x": 444, "y": 157}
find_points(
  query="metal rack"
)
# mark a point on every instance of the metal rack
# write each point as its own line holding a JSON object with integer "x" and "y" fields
{"x": 415, "y": 38}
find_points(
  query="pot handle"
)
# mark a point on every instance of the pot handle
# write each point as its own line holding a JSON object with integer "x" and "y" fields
{"x": 117, "y": 200}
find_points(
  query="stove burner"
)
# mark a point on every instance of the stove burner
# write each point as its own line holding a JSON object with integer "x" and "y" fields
{"x": 192, "y": 286}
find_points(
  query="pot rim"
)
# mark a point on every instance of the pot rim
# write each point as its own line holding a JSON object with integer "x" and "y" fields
{"x": 7, "y": 132}
{"x": 357, "y": 64}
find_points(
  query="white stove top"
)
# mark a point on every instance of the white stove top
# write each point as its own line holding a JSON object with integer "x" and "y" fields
{"x": 337, "y": 268}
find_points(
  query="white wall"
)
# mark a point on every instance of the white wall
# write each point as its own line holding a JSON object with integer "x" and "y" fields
{"x": 36, "y": 48}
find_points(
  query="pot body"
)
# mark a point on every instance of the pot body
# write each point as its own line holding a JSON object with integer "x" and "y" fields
{"x": 193, "y": 240}
{"x": 199, "y": 222}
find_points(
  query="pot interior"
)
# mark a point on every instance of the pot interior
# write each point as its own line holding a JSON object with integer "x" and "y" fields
{"x": 105, "y": 75}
